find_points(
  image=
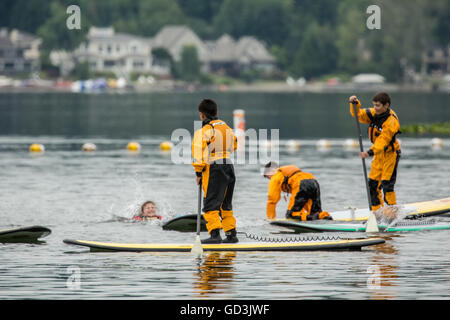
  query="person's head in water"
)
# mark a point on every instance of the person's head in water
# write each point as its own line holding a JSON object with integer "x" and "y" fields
{"x": 148, "y": 210}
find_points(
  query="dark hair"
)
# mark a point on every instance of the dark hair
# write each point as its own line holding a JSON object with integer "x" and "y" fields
{"x": 270, "y": 165}
{"x": 383, "y": 98}
{"x": 208, "y": 107}
{"x": 145, "y": 203}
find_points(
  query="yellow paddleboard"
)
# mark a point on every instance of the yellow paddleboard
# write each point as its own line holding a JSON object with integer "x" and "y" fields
{"x": 339, "y": 244}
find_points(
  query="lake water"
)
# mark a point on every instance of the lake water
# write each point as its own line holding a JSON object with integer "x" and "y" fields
{"x": 81, "y": 196}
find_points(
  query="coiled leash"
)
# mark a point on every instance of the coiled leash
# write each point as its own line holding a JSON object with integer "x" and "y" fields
{"x": 263, "y": 238}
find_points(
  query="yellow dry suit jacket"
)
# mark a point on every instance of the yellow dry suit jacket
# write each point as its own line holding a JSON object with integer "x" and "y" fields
{"x": 286, "y": 179}
{"x": 383, "y": 128}
{"x": 214, "y": 141}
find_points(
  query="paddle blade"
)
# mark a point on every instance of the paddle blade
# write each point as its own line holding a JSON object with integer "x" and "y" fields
{"x": 197, "y": 248}
{"x": 372, "y": 225}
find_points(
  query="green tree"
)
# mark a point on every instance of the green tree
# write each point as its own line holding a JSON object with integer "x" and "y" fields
{"x": 25, "y": 15}
{"x": 81, "y": 71}
{"x": 162, "y": 56}
{"x": 350, "y": 32}
{"x": 265, "y": 19}
{"x": 54, "y": 31}
{"x": 317, "y": 54}
{"x": 405, "y": 34}
{"x": 155, "y": 14}
{"x": 200, "y": 9}
{"x": 189, "y": 66}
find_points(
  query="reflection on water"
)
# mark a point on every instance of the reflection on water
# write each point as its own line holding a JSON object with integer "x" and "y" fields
{"x": 386, "y": 266}
{"x": 214, "y": 274}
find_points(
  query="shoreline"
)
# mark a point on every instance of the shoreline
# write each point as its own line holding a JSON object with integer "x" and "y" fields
{"x": 264, "y": 87}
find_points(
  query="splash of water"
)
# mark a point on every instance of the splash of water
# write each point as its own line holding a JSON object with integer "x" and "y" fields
{"x": 392, "y": 214}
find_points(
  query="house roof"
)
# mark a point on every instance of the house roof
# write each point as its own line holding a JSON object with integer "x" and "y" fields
{"x": 253, "y": 49}
{"x": 169, "y": 35}
{"x": 245, "y": 50}
{"x": 17, "y": 38}
{"x": 108, "y": 34}
{"x": 223, "y": 49}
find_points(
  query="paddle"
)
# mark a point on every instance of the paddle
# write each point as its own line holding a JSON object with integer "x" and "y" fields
{"x": 197, "y": 248}
{"x": 371, "y": 227}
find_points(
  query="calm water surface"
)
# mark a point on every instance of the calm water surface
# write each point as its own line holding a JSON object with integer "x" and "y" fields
{"x": 81, "y": 196}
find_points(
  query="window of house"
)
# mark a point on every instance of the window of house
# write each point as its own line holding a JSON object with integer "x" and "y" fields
{"x": 138, "y": 63}
{"x": 9, "y": 66}
{"x": 109, "y": 63}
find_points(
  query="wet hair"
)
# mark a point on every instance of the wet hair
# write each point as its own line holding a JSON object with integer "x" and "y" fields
{"x": 208, "y": 107}
{"x": 383, "y": 98}
{"x": 144, "y": 204}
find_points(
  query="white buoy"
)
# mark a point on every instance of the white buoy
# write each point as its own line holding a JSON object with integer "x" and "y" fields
{"x": 292, "y": 145}
{"x": 323, "y": 145}
{"x": 436, "y": 143}
{"x": 89, "y": 147}
{"x": 350, "y": 144}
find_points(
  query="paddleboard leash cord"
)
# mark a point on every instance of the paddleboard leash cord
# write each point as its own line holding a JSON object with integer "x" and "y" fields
{"x": 414, "y": 223}
{"x": 263, "y": 238}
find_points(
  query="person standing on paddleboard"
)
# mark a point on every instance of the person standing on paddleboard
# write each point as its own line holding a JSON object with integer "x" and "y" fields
{"x": 304, "y": 203}
{"x": 384, "y": 127}
{"x": 211, "y": 149}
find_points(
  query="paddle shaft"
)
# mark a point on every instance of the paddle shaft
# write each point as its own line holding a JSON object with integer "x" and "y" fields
{"x": 199, "y": 210}
{"x": 362, "y": 149}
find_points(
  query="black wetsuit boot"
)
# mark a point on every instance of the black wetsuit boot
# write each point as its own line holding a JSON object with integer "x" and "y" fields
{"x": 231, "y": 236}
{"x": 215, "y": 237}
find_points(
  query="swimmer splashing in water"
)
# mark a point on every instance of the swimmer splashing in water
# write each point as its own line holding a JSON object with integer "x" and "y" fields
{"x": 148, "y": 212}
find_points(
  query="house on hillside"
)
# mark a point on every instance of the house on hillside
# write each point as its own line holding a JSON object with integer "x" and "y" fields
{"x": 108, "y": 51}
{"x": 231, "y": 57}
{"x": 436, "y": 61}
{"x": 19, "y": 52}
{"x": 121, "y": 53}
{"x": 173, "y": 38}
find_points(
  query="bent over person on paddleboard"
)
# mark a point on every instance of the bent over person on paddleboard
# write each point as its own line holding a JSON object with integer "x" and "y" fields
{"x": 211, "y": 149}
{"x": 384, "y": 127}
{"x": 304, "y": 203}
